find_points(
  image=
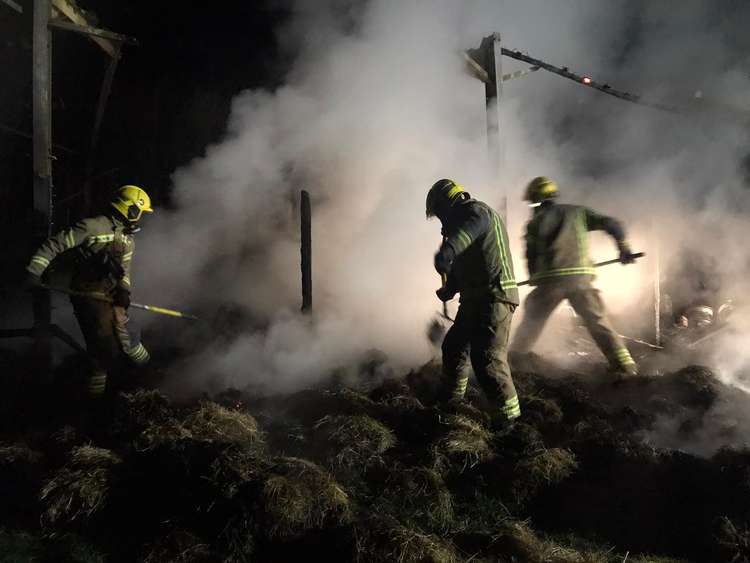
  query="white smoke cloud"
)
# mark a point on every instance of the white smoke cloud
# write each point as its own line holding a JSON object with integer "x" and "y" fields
{"x": 378, "y": 106}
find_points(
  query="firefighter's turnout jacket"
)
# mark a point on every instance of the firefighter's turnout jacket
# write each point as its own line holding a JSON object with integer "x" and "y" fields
{"x": 103, "y": 248}
{"x": 482, "y": 271}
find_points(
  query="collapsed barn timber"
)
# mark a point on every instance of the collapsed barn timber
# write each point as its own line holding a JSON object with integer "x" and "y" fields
{"x": 285, "y": 138}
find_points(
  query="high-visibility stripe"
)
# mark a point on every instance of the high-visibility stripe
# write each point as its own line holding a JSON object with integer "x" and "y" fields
{"x": 512, "y": 408}
{"x": 93, "y": 239}
{"x": 41, "y": 260}
{"x": 97, "y": 384}
{"x": 139, "y": 354}
{"x": 623, "y": 357}
{"x": 460, "y": 389}
{"x": 127, "y": 256}
{"x": 126, "y": 280}
{"x": 507, "y": 280}
{"x": 455, "y": 190}
{"x": 70, "y": 239}
{"x": 464, "y": 238}
{"x": 582, "y": 237}
{"x": 579, "y": 271}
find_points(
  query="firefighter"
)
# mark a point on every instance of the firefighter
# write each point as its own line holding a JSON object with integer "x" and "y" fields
{"x": 475, "y": 261}
{"x": 560, "y": 268}
{"x": 103, "y": 248}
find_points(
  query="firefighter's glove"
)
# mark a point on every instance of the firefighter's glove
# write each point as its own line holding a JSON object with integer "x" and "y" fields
{"x": 445, "y": 294}
{"x": 443, "y": 260}
{"x": 121, "y": 298}
{"x": 626, "y": 255}
{"x": 32, "y": 281}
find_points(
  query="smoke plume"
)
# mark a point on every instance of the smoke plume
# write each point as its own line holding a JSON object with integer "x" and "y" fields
{"x": 378, "y": 105}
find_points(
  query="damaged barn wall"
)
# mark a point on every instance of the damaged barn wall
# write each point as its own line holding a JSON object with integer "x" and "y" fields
{"x": 378, "y": 106}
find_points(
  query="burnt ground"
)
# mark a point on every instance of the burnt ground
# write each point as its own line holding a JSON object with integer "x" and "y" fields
{"x": 380, "y": 472}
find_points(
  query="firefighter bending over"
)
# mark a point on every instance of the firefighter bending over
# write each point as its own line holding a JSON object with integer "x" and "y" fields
{"x": 103, "y": 248}
{"x": 475, "y": 261}
{"x": 560, "y": 268}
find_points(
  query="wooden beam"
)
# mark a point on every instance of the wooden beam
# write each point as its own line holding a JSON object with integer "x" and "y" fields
{"x": 92, "y": 31}
{"x": 43, "y": 196}
{"x": 13, "y": 5}
{"x": 70, "y": 10}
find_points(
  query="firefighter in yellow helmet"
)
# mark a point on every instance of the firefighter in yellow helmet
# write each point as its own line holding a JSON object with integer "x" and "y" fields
{"x": 103, "y": 247}
{"x": 476, "y": 263}
{"x": 560, "y": 268}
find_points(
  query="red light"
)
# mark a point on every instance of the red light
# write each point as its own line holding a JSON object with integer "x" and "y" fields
{"x": 586, "y": 80}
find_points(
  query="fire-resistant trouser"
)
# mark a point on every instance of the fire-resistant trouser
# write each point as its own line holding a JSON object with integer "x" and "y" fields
{"x": 105, "y": 331}
{"x": 480, "y": 333}
{"x": 587, "y": 303}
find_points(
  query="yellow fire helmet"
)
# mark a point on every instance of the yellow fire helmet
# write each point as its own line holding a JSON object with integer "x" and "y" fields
{"x": 443, "y": 193}
{"x": 540, "y": 189}
{"x": 132, "y": 202}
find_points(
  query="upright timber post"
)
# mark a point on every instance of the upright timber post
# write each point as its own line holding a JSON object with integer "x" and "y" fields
{"x": 306, "y": 237}
{"x": 489, "y": 58}
{"x": 42, "y": 195}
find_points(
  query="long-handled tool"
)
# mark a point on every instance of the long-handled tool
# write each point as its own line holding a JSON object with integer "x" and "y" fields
{"x": 101, "y": 297}
{"x": 599, "y": 264}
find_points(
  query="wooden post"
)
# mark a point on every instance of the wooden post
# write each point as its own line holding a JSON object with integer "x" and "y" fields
{"x": 486, "y": 65}
{"x": 306, "y": 248}
{"x": 42, "y": 195}
{"x": 103, "y": 97}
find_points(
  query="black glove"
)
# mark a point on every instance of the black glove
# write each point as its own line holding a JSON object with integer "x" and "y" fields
{"x": 626, "y": 256}
{"x": 32, "y": 281}
{"x": 121, "y": 298}
{"x": 445, "y": 294}
{"x": 443, "y": 260}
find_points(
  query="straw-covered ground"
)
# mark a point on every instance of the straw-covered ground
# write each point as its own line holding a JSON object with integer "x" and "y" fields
{"x": 380, "y": 473}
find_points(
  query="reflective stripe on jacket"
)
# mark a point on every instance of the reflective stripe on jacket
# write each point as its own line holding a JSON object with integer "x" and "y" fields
{"x": 483, "y": 266}
{"x": 95, "y": 240}
{"x": 557, "y": 240}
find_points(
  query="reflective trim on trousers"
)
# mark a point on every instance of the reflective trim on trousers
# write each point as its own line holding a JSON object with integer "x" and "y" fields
{"x": 512, "y": 408}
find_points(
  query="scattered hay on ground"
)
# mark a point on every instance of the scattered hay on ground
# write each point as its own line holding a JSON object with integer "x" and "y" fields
{"x": 353, "y": 441}
{"x": 179, "y": 546}
{"x": 384, "y": 540}
{"x": 23, "y": 547}
{"x": 209, "y": 423}
{"x": 299, "y": 496}
{"x": 465, "y": 444}
{"x": 544, "y": 468}
{"x": 418, "y": 496}
{"x": 80, "y": 488}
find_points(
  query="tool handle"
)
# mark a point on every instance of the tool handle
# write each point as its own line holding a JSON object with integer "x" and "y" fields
{"x": 635, "y": 256}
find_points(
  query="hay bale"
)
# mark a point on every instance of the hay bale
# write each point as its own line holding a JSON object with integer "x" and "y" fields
{"x": 210, "y": 423}
{"x": 418, "y": 496}
{"x": 214, "y": 423}
{"x": 516, "y": 541}
{"x": 81, "y": 487}
{"x": 299, "y": 496}
{"x": 134, "y": 412}
{"x": 542, "y": 412}
{"x": 353, "y": 441}
{"x": 384, "y": 540}
{"x": 544, "y": 468}
{"x": 465, "y": 444}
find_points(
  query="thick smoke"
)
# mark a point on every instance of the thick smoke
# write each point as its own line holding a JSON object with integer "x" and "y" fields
{"x": 378, "y": 106}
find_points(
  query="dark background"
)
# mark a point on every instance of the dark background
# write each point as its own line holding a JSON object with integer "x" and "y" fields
{"x": 170, "y": 98}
